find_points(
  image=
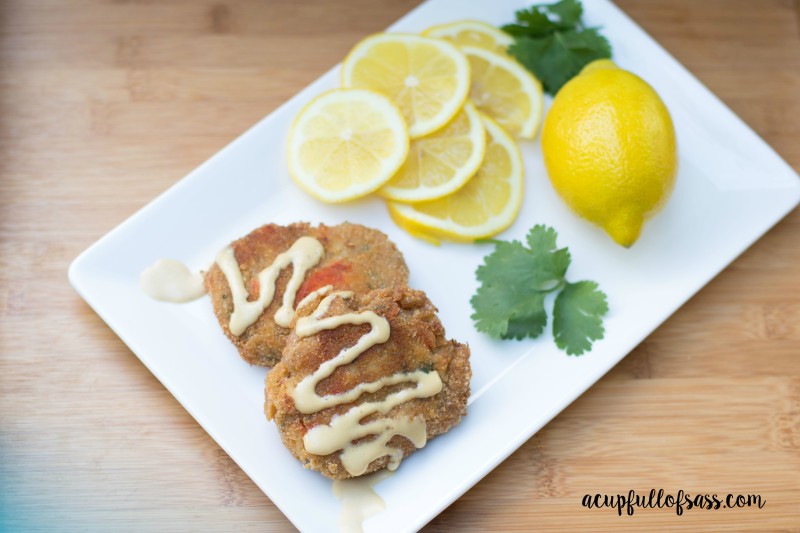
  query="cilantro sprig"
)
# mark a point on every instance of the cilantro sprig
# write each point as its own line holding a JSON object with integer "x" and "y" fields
{"x": 551, "y": 41}
{"x": 510, "y": 303}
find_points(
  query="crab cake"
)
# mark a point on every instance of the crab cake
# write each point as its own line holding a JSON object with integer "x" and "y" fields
{"x": 350, "y": 257}
{"x": 365, "y": 380}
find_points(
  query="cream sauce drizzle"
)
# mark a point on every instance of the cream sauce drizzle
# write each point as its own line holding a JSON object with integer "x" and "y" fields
{"x": 343, "y": 429}
{"x": 168, "y": 280}
{"x": 359, "y": 500}
{"x": 304, "y": 254}
{"x": 313, "y": 295}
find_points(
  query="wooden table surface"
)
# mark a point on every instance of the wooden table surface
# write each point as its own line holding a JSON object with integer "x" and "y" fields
{"x": 106, "y": 103}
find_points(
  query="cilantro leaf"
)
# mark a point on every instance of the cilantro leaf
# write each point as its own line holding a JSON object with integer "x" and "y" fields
{"x": 577, "y": 317}
{"x": 530, "y": 324}
{"x": 508, "y": 261}
{"x": 551, "y": 41}
{"x": 551, "y": 264}
{"x": 541, "y": 236}
{"x": 544, "y": 19}
{"x": 510, "y": 280}
{"x": 514, "y": 280}
{"x": 531, "y": 270}
{"x": 534, "y": 23}
{"x": 518, "y": 30}
{"x": 492, "y": 310}
{"x": 568, "y": 12}
{"x": 508, "y": 311}
{"x": 557, "y": 58}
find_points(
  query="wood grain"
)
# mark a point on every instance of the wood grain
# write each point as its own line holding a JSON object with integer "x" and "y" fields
{"x": 106, "y": 103}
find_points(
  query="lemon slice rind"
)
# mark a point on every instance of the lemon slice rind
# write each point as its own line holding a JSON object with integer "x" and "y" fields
{"x": 530, "y": 86}
{"x": 454, "y": 32}
{"x": 430, "y": 228}
{"x": 463, "y": 170}
{"x": 449, "y": 53}
{"x": 383, "y": 165}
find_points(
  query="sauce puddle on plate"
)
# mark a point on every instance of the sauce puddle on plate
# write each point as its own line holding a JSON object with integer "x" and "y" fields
{"x": 359, "y": 500}
{"x": 168, "y": 280}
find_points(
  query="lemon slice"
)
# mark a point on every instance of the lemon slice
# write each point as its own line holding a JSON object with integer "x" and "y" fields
{"x": 506, "y": 91}
{"x": 484, "y": 207}
{"x": 442, "y": 162}
{"x": 346, "y": 143}
{"x": 472, "y": 33}
{"x": 427, "y": 78}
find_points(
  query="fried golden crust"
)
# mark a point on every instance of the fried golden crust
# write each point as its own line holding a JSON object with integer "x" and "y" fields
{"x": 356, "y": 258}
{"x": 417, "y": 341}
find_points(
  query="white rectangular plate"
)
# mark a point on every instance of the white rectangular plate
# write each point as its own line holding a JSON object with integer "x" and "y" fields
{"x": 731, "y": 188}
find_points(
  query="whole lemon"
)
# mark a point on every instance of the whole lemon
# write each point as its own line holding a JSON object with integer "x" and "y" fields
{"x": 609, "y": 148}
